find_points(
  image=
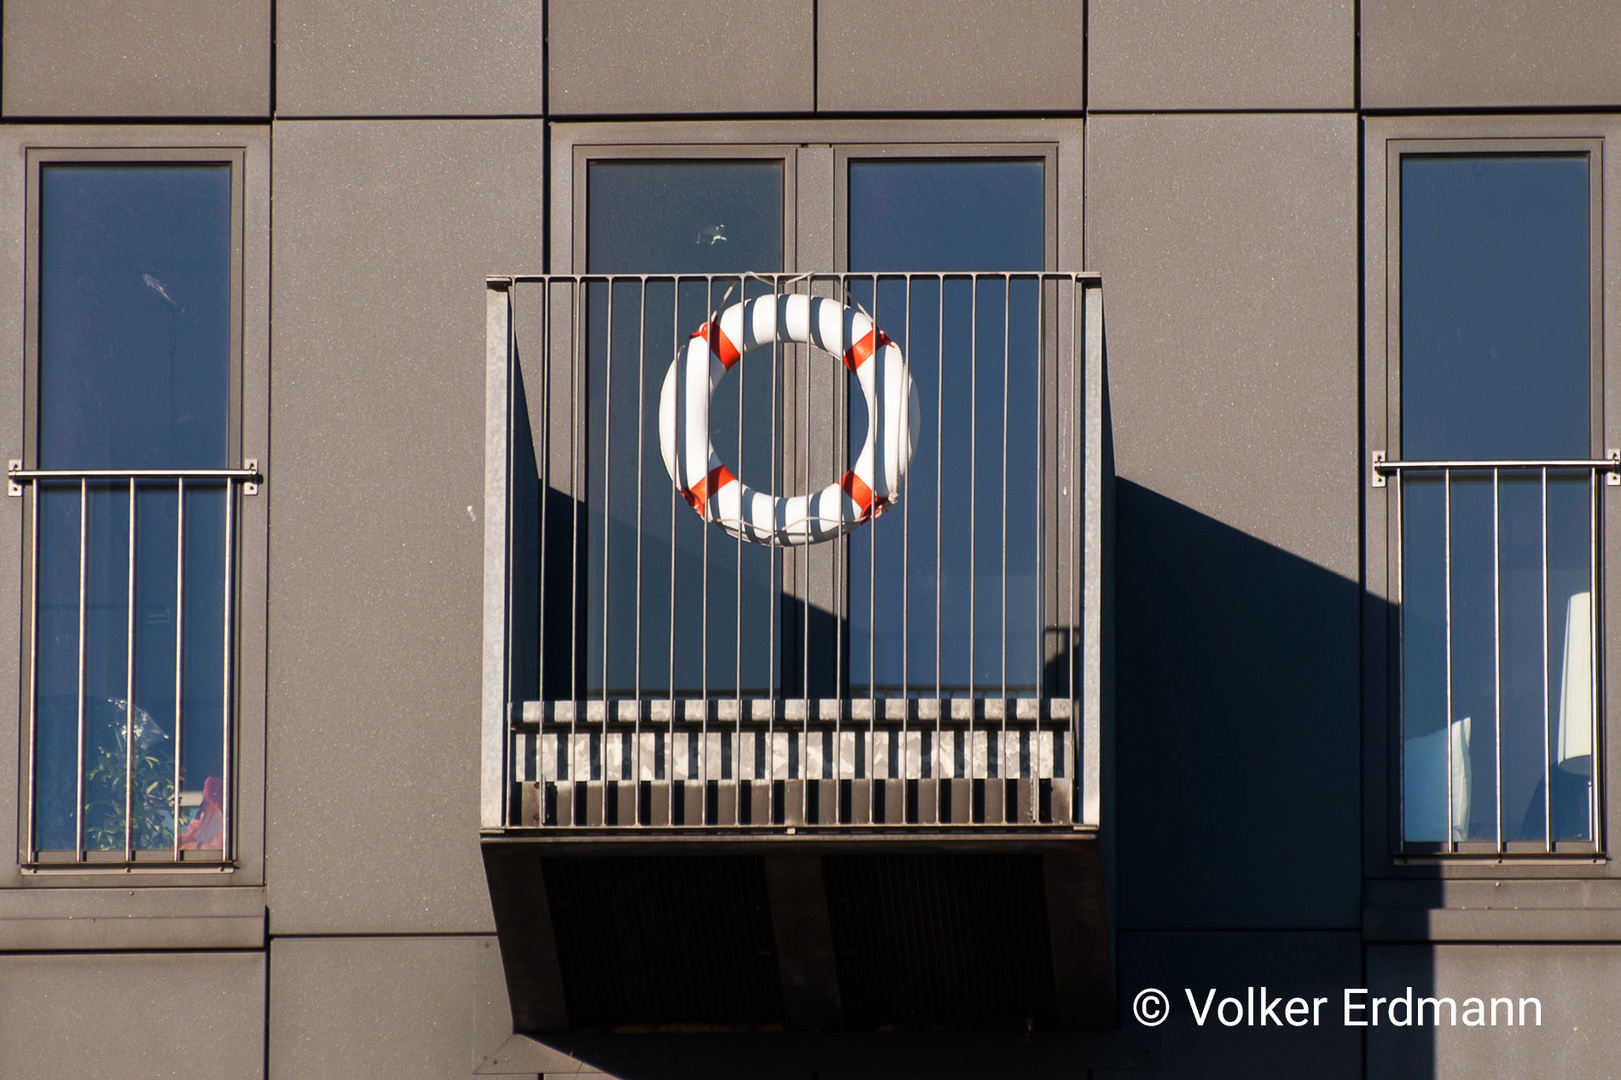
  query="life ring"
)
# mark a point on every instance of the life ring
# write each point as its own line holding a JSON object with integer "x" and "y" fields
{"x": 862, "y": 493}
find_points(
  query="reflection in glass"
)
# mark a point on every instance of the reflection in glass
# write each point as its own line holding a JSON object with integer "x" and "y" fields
{"x": 134, "y": 372}
{"x": 1494, "y": 307}
{"x": 1496, "y": 565}
{"x": 708, "y": 603}
{"x": 977, "y": 364}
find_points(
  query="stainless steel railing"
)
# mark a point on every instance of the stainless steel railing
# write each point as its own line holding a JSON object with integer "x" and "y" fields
{"x": 128, "y": 804}
{"x": 657, "y": 671}
{"x": 1497, "y": 589}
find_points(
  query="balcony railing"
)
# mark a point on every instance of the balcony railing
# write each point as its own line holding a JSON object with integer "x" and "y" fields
{"x": 1498, "y": 575}
{"x": 130, "y": 664}
{"x": 936, "y": 664}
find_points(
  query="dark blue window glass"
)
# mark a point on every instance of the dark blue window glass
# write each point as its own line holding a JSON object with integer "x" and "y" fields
{"x": 973, "y": 350}
{"x": 1496, "y": 574}
{"x": 708, "y": 602}
{"x": 135, "y": 280}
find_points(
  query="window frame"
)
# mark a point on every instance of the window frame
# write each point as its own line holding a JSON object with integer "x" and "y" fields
{"x": 245, "y": 150}
{"x": 814, "y": 183}
{"x": 1388, "y": 141}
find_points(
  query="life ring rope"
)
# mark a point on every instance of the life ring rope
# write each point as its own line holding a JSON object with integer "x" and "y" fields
{"x": 869, "y": 487}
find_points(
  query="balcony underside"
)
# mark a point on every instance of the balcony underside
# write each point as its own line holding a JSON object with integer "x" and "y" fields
{"x": 613, "y": 930}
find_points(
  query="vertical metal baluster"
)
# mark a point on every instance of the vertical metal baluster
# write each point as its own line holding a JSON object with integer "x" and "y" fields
{"x": 84, "y": 545}
{"x": 973, "y": 486}
{"x": 1592, "y": 659}
{"x": 576, "y": 379}
{"x": 906, "y": 509}
{"x": 129, "y": 690}
{"x": 33, "y": 668}
{"x": 543, "y": 466}
{"x": 1497, "y": 659}
{"x": 179, "y": 648}
{"x": 1547, "y": 778}
{"x": 872, "y": 563}
{"x": 1070, "y": 450}
{"x": 1044, "y": 474}
{"x": 1070, "y": 443}
{"x": 906, "y": 688}
{"x": 670, "y": 724}
{"x": 939, "y": 465}
{"x": 227, "y": 786}
{"x": 607, "y": 525}
{"x": 1400, "y": 497}
{"x": 772, "y": 569}
{"x": 872, "y": 535}
{"x": 737, "y": 610}
{"x": 641, "y": 494}
{"x": 703, "y": 737}
{"x": 803, "y": 556}
{"x": 841, "y": 549}
{"x": 1447, "y": 735}
{"x": 1007, "y": 361}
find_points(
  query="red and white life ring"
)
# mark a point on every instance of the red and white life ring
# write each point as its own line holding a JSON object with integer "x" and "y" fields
{"x": 862, "y": 493}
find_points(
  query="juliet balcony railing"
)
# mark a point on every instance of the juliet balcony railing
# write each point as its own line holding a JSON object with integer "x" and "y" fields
{"x": 659, "y": 655}
{"x": 130, "y": 664}
{"x": 1498, "y": 575}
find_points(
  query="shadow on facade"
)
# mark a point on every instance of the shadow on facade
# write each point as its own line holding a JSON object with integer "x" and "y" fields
{"x": 1239, "y": 789}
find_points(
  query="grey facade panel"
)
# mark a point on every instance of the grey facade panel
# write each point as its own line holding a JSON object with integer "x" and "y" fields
{"x": 93, "y": 1016}
{"x": 705, "y": 56}
{"x": 1228, "y": 245}
{"x": 136, "y": 59}
{"x": 1290, "y": 964}
{"x": 1514, "y": 54}
{"x": 416, "y": 58}
{"x": 939, "y": 55}
{"x": 384, "y": 232}
{"x": 395, "y": 1007}
{"x": 1578, "y": 987}
{"x": 146, "y": 918}
{"x": 1221, "y": 54}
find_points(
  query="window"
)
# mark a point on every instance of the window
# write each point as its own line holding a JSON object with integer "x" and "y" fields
{"x": 133, "y": 491}
{"x": 1496, "y": 477}
{"x": 724, "y": 210}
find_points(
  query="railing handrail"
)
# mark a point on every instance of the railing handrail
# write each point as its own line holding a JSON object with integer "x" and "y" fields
{"x": 1381, "y": 467}
{"x": 133, "y": 474}
{"x": 499, "y": 280}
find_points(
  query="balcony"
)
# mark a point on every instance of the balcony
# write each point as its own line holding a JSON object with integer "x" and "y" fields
{"x": 812, "y": 738}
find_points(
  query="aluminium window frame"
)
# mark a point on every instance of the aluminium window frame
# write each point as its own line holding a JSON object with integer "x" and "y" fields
{"x": 1387, "y": 141}
{"x": 245, "y": 150}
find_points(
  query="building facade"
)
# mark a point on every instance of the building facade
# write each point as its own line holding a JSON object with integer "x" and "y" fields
{"x": 1259, "y": 661}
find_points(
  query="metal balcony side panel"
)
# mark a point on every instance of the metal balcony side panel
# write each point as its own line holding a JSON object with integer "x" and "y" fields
{"x": 497, "y": 434}
{"x": 1099, "y": 504}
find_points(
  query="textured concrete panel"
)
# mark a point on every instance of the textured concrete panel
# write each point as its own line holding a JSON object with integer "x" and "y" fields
{"x": 703, "y": 56}
{"x": 409, "y": 58}
{"x": 195, "y": 918}
{"x": 93, "y": 1016}
{"x": 1578, "y": 986}
{"x": 1221, "y": 54}
{"x": 1228, "y": 247}
{"x": 936, "y": 55}
{"x": 403, "y": 1008}
{"x": 1303, "y": 965}
{"x": 384, "y": 232}
{"x": 1459, "y": 53}
{"x": 136, "y": 58}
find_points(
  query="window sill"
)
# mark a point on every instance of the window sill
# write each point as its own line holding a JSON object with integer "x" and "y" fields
{"x": 131, "y": 919}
